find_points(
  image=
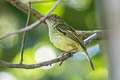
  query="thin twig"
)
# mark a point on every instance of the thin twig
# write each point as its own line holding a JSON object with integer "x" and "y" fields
{"x": 25, "y": 8}
{"x": 24, "y": 35}
{"x": 32, "y": 25}
{"x": 90, "y": 38}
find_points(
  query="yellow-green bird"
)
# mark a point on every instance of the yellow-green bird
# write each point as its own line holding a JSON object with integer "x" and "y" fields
{"x": 64, "y": 37}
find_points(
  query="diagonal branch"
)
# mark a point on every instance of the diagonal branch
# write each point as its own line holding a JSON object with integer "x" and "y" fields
{"x": 25, "y": 8}
{"x": 90, "y": 38}
{"x": 32, "y": 25}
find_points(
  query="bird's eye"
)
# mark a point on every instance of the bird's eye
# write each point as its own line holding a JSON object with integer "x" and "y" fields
{"x": 54, "y": 15}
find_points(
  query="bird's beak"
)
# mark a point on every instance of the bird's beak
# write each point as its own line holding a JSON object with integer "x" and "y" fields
{"x": 47, "y": 21}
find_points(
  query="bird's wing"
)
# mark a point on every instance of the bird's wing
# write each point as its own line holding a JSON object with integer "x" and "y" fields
{"x": 70, "y": 33}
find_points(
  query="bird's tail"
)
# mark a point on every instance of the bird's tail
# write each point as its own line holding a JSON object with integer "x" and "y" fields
{"x": 87, "y": 56}
{"x": 90, "y": 61}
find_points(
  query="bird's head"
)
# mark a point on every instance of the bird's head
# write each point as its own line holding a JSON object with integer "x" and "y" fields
{"x": 53, "y": 20}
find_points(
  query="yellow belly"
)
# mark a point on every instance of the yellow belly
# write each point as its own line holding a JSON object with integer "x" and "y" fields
{"x": 64, "y": 43}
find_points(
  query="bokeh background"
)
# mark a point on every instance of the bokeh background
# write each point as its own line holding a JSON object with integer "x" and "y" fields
{"x": 80, "y": 14}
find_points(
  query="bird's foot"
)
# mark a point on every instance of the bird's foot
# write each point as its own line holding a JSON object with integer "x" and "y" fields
{"x": 64, "y": 55}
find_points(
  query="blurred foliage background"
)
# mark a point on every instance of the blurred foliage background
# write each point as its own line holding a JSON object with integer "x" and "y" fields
{"x": 80, "y": 14}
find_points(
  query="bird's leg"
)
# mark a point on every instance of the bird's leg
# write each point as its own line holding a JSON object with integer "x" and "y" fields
{"x": 64, "y": 55}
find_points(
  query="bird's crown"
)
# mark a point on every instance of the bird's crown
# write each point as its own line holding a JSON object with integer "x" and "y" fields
{"x": 55, "y": 18}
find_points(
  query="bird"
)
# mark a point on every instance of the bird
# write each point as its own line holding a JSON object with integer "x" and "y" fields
{"x": 65, "y": 38}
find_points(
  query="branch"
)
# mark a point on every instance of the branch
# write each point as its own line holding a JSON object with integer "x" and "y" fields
{"x": 24, "y": 34}
{"x": 90, "y": 38}
{"x": 25, "y": 8}
{"x": 32, "y": 66}
{"x": 32, "y": 25}
{"x": 99, "y": 34}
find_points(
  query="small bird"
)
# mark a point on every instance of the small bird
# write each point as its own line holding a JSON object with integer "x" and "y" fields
{"x": 64, "y": 37}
